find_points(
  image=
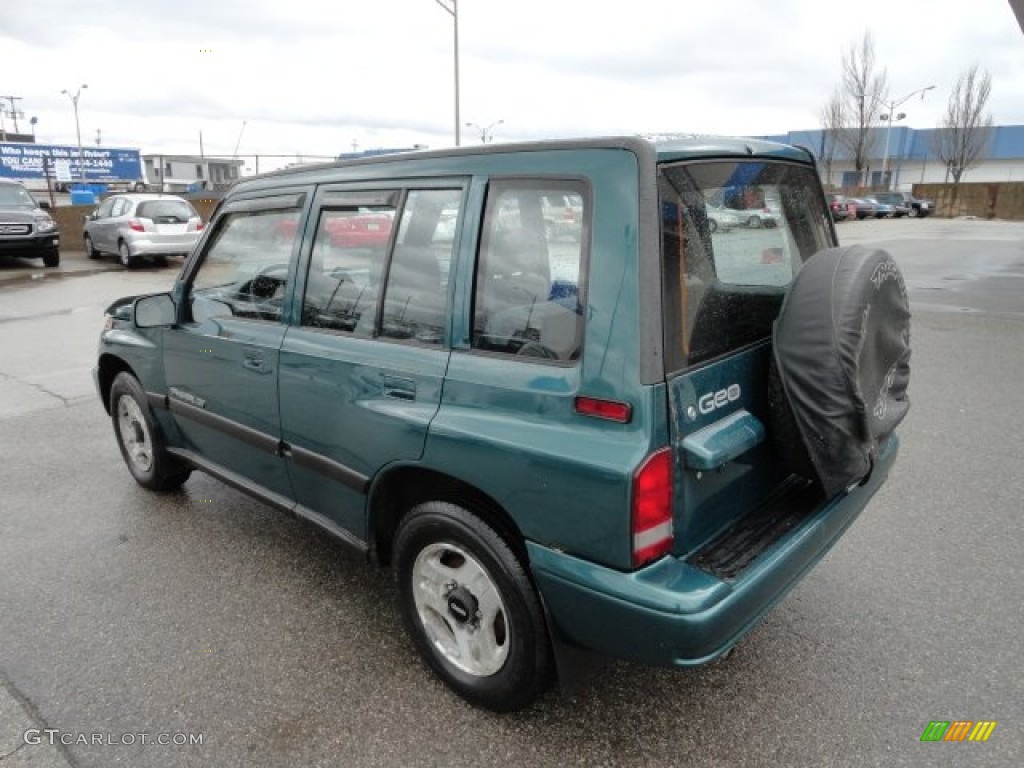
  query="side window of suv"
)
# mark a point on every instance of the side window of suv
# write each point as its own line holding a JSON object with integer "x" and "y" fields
{"x": 415, "y": 299}
{"x": 530, "y": 280}
{"x": 244, "y": 272}
{"x": 350, "y": 264}
{"x": 347, "y": 263}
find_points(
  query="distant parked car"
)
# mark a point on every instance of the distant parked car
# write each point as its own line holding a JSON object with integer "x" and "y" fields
{"x": 892, "y": 202}
{"x": 882, "y": 210}
{"x": 721, "y": 220}
{"x": 753, "y": 208}
{"x": 755, "y": 218}
{"x": 838, "y": 206}
{"x": 862, "y": 208}
{"x": 142, "y": 226}
{"x": 912, "y": 206}
{"x": 563, "y": 216}
{"x": 26, "y": 229}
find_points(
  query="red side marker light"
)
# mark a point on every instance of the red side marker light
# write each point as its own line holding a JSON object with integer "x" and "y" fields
{"x": 604, "y": 409}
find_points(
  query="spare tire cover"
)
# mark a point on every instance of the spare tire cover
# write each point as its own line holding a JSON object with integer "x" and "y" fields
{"x": 842, "y": 351}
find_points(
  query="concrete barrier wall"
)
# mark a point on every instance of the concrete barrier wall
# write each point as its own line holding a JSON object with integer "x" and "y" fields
{"x": 998, "y": 200}
{"x": 70, "y": 220}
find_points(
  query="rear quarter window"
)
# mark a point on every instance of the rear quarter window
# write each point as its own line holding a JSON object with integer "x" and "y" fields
{"x": 531, "y": 273}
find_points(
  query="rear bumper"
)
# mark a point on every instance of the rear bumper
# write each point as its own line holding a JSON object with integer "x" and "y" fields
{"x": 672, "y": 613}
{"x": 145, "y": 247}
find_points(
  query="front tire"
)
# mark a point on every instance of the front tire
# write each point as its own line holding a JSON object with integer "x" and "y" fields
{"x": 139, "y": 438}
{"x": 470, "y": 607}
{"x": 51, "y": 259}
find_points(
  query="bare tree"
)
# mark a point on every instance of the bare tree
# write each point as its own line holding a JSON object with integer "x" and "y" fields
{"x": 863, "y": 91}
{"x": 965, "y": 130}
{"x": 833, "y": 124}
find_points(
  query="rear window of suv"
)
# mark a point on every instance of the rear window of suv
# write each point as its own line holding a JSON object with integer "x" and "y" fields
{"x": 724, "y": 285}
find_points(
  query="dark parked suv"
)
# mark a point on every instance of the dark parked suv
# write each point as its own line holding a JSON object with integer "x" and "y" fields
{"x": 913, "y": 206}
{"x": 26, "y": 229}
{"x": 632, "y": 435}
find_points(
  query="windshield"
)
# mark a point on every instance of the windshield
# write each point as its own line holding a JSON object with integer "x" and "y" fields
{"x": 734, "y": 235}
{"x": 15, "y": 196}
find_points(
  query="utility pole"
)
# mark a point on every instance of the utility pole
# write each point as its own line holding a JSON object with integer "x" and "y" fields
{"x": 13, "y": 111}
{"x": 78, "y": 128}
{"x": 451, "y": 7}
{"x": 891, "y": 117}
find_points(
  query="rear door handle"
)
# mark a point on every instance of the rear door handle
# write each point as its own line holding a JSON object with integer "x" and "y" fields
{"x": 252, "y": 359}
{"x": 398, "y": 387}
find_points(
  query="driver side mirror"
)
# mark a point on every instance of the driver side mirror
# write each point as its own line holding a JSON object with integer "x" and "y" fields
{"x": 155, "y": 311}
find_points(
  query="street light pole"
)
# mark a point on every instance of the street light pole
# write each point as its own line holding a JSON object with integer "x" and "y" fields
{"x": 78, "y": 128}
{"x": 892, "y": 117}
{"x": 451, "y": 7}
{"x": 486, "y": 134}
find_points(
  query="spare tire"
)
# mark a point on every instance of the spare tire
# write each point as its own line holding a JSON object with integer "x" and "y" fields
{"x": 841, "y": 365}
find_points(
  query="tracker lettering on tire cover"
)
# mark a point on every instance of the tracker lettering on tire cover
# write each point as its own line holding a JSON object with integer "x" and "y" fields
{"x": 842, "y": 351}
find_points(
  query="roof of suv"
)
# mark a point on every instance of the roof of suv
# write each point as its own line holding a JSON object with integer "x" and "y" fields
{"x": 660, "y": 147}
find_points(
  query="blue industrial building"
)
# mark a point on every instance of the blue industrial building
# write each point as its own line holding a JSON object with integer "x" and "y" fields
{"x": 912, "y": 157}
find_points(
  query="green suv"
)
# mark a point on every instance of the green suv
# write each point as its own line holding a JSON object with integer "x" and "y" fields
{"x": 632, "y": 437}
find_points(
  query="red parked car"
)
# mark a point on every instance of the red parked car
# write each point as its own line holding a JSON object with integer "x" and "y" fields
{"x": 837, "y": 204}
{"x": 359, "y": 229}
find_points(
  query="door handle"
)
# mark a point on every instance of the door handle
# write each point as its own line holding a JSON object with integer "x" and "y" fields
{"x": 252, "y": 359}
{"x": 398, "y": 387}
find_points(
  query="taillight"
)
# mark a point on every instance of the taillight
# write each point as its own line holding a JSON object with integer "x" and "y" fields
{"x": 652, "y": 508}
{"x": 136, "y": 226}
{"x": 200, "y": 225}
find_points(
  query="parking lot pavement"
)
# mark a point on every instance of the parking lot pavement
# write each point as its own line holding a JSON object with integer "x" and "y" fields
{"x": 24, "y": 742}
{"x": 72, "y": 264}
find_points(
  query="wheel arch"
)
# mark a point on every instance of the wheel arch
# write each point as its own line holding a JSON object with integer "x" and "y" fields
{"x": 399, "y": 489}
{"x": 107, "y": 369}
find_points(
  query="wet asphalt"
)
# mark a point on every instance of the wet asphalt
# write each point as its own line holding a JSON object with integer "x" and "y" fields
{"x": 206, "y": 614}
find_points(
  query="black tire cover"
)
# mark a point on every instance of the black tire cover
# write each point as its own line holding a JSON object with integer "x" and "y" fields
{"x": 842, "y": 355}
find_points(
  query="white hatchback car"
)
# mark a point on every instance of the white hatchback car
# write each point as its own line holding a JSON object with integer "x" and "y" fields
{"x": 142, "y": 226}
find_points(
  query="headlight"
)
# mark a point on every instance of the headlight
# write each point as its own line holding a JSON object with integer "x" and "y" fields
{"x": 45, "y": 225}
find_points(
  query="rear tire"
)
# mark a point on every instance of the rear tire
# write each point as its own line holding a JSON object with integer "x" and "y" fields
{"x": 125, "y": 255}
{"x": 139, "y": 438}
{"x": 470, "y": 608}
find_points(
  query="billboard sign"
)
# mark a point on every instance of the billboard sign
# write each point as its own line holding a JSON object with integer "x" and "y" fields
{"x": 26, "y": 161}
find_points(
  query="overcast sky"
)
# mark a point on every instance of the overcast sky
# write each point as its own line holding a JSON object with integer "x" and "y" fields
{"x": 311, "y": 77}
